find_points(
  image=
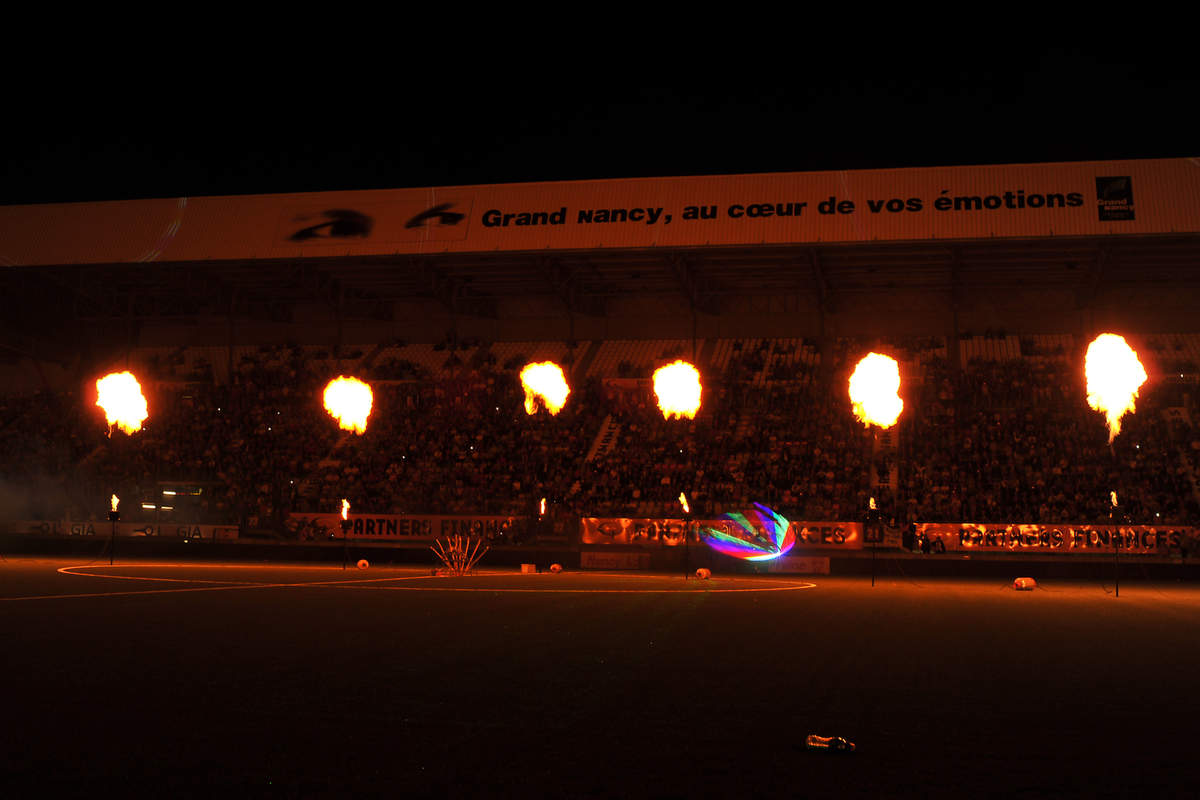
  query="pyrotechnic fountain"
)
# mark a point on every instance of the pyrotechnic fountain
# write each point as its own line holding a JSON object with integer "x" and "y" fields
{"x": 875, "y": 400}
{"x": 120, "y": 395}
{"x": 1114, "y": 376}
{"x": 460, "y": 554}
{"x": 349, "y": 401}
{"x": 677, "y": 390}
{"x": 545, "y": 386}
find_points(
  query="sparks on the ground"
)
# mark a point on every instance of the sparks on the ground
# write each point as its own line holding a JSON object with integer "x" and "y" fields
{"x": 874, "y": 390}
{"x": 120, "y": 395}
{"x": 1114, "y": 375}
{"x": 348, "y": 400}
{"x": 544, "y": 380}
{"x": 677, "y": 388}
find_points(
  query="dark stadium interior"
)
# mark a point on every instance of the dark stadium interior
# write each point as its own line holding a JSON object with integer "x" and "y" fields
{"x": 987, "y": 333}
{"x": 217, "y": 639}
{"x": 946, "y": 686}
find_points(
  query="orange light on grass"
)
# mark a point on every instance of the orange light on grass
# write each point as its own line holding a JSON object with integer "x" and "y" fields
{"x": 120, "y": 395}
{"x": 544, "y": 380}
{"x": 348, "y": 400}
{"x": 1114, "y": 375}
{"x": 677, "y": 388}
{"x": 874, "y": 391}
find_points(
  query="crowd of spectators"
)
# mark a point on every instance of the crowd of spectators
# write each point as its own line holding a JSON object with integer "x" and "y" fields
{"x": 1016, "y": 441}
{"x": 1004, "y": 441}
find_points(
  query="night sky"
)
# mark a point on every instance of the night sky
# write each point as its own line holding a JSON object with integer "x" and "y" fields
{"x": 130, "y": 133}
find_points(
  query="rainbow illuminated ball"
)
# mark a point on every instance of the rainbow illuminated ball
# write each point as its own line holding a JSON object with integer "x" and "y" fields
{"x": 363, "y": 563}
{"x": 757, "y": 535}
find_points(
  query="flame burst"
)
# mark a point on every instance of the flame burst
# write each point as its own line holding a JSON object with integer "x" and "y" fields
{"x": 113, "y": 502}
{"x": 874, "y": 391}
{"x": 684, "y": 503}
{"x": 345, "y": 508}
{"x": 1114, "y": 375}
{"x": 545, "y": 380}
{"x": 348, "y": 400}
{"x": 120, "y": 395}
{"x": 677, "y": 387}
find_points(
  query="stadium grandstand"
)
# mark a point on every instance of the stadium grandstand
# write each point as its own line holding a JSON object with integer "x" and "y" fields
{"x": 986, "y": 284}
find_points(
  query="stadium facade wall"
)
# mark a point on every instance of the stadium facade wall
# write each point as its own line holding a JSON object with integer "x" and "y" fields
{"x": 1147, "y": 197}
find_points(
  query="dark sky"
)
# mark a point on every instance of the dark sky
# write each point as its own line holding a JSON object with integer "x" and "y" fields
{"x": 155, "y": 133}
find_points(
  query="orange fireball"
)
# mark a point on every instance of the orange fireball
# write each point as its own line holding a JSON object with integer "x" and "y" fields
{"x": 874, "y": 391}
{"x": 544, "y": 380}
{"x": 120, "y": 395}
{"x": 677, "y": 388}
{"x": 1114, "y": 376}
{"x": 348, "y": 400}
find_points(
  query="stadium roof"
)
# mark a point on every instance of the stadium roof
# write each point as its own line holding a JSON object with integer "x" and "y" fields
{"x": 827, "y": 237}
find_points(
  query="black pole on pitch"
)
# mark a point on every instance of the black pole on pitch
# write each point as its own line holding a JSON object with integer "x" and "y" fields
{"x": 687, "y": 546}
{"x": 345, "y": 547}
{"x": 872, "y": 532}
{"x": 113, "y": 517}
{"x": 1117, "y": 538}
{"x": 1116, "y": 563}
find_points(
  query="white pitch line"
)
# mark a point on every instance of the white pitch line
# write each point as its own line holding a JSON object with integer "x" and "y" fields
{"x": 790, "y": 587}
{"x": 145, "y": 591}
{"x": 359, "y": 583}
{"x": 75, "y": 571}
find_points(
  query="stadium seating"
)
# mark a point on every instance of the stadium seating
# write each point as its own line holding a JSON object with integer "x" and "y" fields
{"x": 1006, "y": 438}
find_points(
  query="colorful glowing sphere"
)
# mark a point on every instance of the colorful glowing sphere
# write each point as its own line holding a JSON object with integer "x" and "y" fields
{"x": 760, "y": 534}
{"x": 363, "y": 563}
